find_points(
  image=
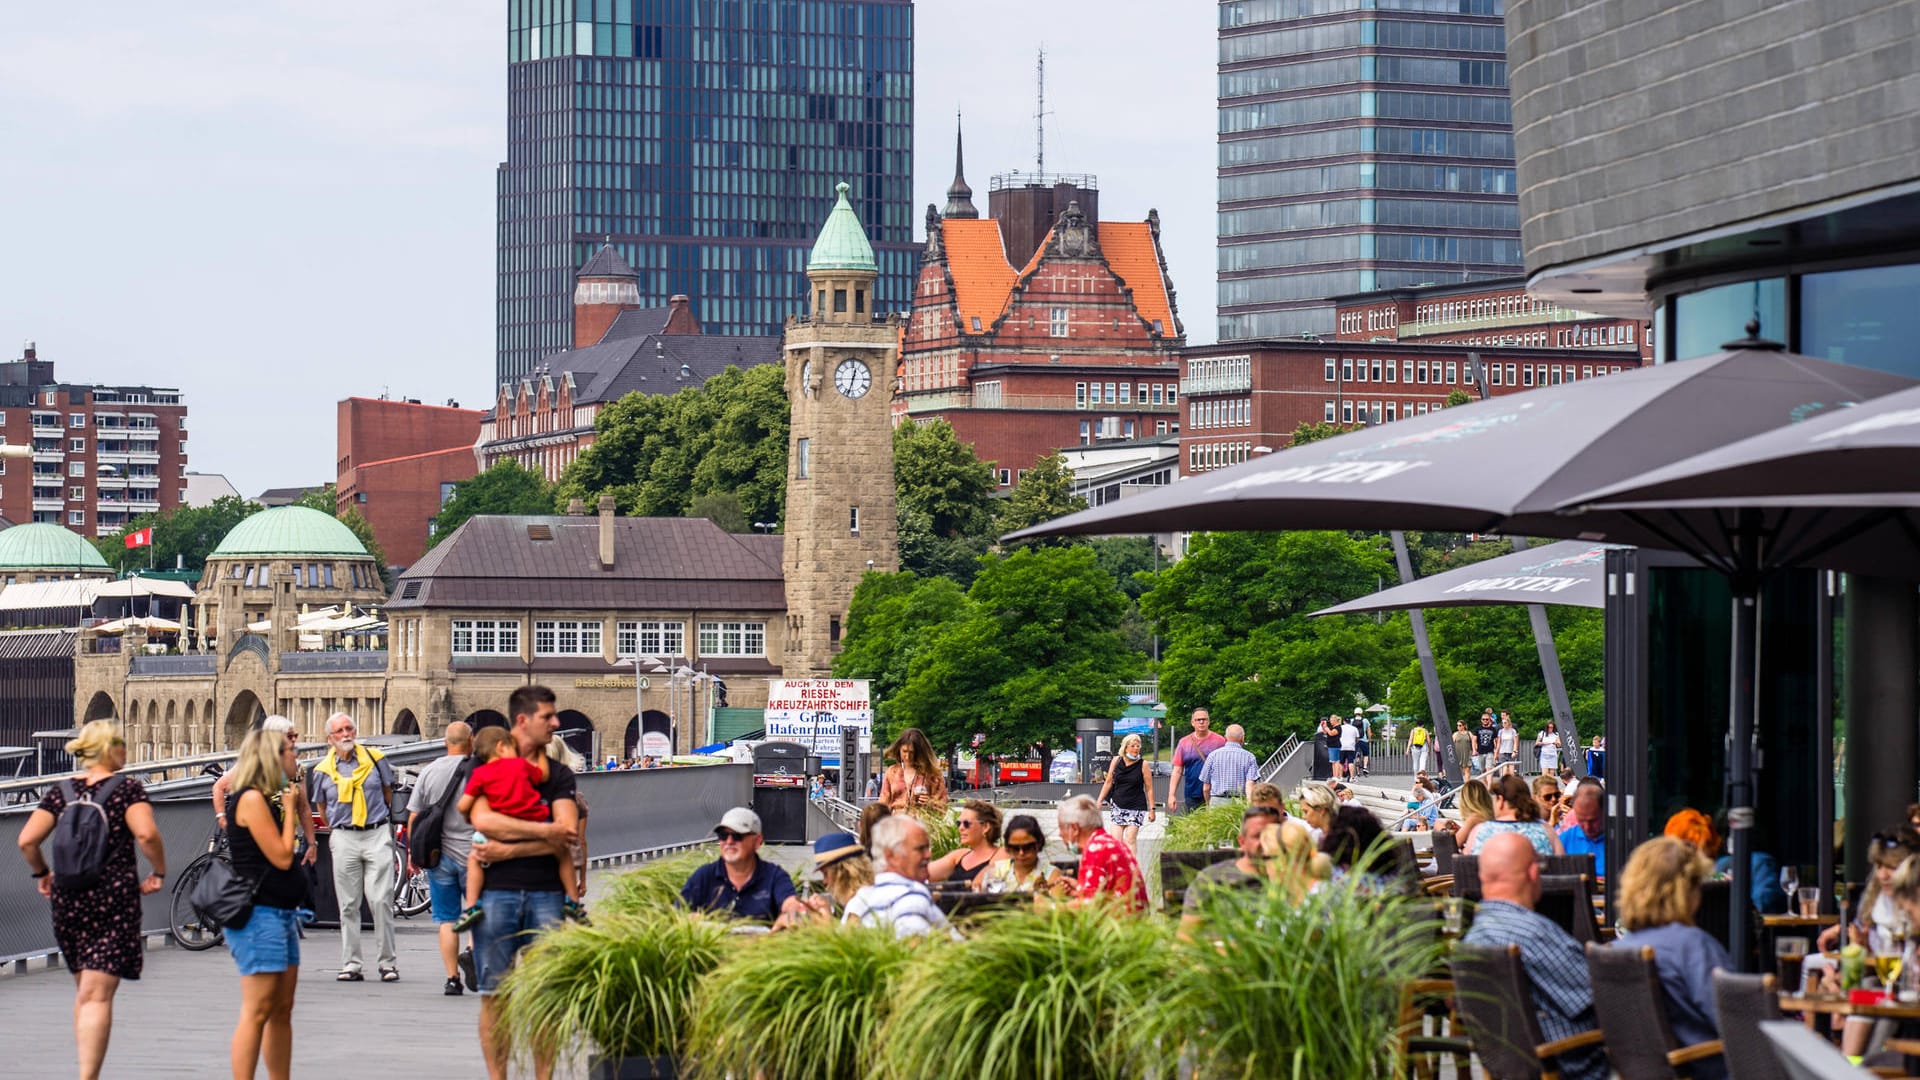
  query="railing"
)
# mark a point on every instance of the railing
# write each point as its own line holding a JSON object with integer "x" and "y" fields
{"x": 1216, "y": 384}
{"x": 1280, "y": 754}
{"x": 963, "y": 399}
{"x": 201, "y": 664}
{"x": 1423, "y": 327}
{"x": 844, "y": 814}
{"x": 295, "y": 663}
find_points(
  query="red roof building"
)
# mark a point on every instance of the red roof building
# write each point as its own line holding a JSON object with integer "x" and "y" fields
{"x": 1025, "y": 352}
{"x": 398, "y": 462}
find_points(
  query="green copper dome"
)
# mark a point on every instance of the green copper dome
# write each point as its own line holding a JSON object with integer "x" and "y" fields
{"x": 843, "y": 243}
{"x": 289, "y": 530}
{"x": 47, "y": 547}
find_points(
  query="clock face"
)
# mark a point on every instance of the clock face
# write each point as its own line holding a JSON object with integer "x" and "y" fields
{"x": 806, "y": 377}
{"x": 852, "y": 378}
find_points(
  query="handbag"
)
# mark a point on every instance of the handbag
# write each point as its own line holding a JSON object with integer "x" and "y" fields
{"x": 425, "y": 837}
{"x": 223, "y": 896}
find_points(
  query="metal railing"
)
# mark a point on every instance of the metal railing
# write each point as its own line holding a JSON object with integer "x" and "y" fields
{"x": 844, "y": 814}
{"x": 1280, "y": 754}
{"x": 337, "y": 660}
{"x": 202, "y": 664}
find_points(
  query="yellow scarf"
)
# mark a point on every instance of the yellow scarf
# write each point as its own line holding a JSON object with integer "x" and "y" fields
{"x": 352, "y": 788}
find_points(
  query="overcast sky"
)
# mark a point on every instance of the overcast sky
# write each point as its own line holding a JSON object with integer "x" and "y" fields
{"x": 274, "y": 205}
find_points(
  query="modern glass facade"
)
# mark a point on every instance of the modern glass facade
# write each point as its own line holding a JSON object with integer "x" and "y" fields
{"x": 1364, "y": 144}
{"x": 705, "y": 138}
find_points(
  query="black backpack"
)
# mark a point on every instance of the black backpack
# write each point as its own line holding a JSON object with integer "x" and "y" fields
{"x": 423, "y": 840}
{"x": 78, "y": 850}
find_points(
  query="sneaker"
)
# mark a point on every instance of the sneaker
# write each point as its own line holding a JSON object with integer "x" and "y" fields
{"x": 467, "y": 969}
{"x": 454, "y": 989}
{"x": 467, "y": 919}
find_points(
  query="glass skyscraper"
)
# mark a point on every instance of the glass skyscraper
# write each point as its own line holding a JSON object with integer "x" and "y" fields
{"x": 1364, "y": 144}
{"x": 705, "y": 138}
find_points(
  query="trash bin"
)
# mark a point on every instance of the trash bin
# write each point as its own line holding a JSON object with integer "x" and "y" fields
{"x": 1094, "y": 740}
{"x": 780, "y": 791}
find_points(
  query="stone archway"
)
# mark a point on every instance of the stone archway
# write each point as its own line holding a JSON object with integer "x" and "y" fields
{"x": 577, "y": 729}
{"x": 99, "y": 707}
{"x": 406, "y": 724}
{"x": 243, "y": 716}
{"x": 656, "y": 731}
{"x": 487, "y": 718}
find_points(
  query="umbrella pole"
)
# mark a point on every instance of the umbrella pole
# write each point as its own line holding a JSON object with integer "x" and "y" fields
{"x": 1550, "y": 669}
{"x": 1743, "y": 701}
{"x": 1436, "y": 701}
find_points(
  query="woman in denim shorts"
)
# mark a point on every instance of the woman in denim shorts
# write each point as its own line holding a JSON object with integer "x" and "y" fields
{"x": 266, "y": 947}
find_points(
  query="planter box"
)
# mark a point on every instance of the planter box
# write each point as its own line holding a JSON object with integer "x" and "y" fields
{"x": 633, "y": 1068}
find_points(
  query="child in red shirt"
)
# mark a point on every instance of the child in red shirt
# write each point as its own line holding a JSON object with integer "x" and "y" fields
{"x": 508, "y": 782}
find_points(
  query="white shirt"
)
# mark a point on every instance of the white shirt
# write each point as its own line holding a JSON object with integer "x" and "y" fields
{"x": 896, "y": 901}
{"x": 1349, "y": 736}
{"x": 1509, "y": 740}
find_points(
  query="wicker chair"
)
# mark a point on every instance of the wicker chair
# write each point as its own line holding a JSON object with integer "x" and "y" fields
{"x": 1567, "y": 899}
{"x": 1495, "y": 1001}
{"x": 1445, "y": 846}
{"x": 1179, "y": 868}
{"x": 1805, "y": 1055}
{"x": 1567, "y": 864}
{"x": 1632, "y": 1011}
{"x": 1420, "y": 999}
{"x": 1744, "y": 1002}
{"x": 1466, "y": 876}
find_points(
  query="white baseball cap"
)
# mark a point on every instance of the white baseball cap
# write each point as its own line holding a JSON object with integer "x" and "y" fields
{"x": 740, "y": 820}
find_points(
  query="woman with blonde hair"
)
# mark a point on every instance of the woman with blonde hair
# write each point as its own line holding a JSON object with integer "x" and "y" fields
{"x": 1130, "y": 785}
{"x": 915, "y": 781}
{"x": 266, "y": 947}
{"x": 1317, "y": 804}
{"x": 1659, "y": 895}
{"x": 1515, "y": 811}
{"x": 979, "y": 842}
{"x": 1293, "y": 859}
{"x": 96, "y": 917}
{"x": 1476, "y": 807}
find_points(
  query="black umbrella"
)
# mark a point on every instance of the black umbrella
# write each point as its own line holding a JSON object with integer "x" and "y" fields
{"x": 1503, "y": 464}
{"x": 1570, "y": 573}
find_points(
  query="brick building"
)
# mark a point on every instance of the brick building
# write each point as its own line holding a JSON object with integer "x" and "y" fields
{"x": 1024, "y": 351}
{"x": 102, "y": 455}
{"x": 398, "y": 463}
{"x": 1485, "y": 315}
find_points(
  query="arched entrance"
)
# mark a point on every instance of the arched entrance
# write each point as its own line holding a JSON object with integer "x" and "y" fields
{"x": 577, "y": 730}
{"x": 405, "y": 724}
{"x": 487, "y": 718}
{"x": 99, "y": 708}
{"x": 243, "y": 716}
{"x": 649, "y": 734}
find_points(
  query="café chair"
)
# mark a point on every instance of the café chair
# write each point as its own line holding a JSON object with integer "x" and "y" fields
{"x": 1743, "y": 1003}
{"x": 1567, "y": 864}
{"x": 1805, "y": 1055}
{"x": 1567, "y": 899}
{"x": 1179, "y": 868}
{"x": 1420, "y": 999}
{"x": 1632, "y": 1010}
{"x": 1494, "y": 999}
{"x": 1445, "y": 846}
{"x": 1466, "y": 877}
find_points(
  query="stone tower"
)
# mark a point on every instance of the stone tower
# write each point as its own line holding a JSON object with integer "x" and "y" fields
{"x": 841, "y": 519}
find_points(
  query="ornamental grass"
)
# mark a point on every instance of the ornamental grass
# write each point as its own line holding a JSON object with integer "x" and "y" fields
{"x": 651, "y": 887}
{"x": 1205, "y": 827}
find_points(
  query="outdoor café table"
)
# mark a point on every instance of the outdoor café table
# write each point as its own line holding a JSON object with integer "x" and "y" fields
{"x": 1838, "y": 1005}
{"x": 1772, "y": 926}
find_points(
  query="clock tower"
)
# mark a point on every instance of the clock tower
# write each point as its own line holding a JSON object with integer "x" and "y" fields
{"x": 841, "y": 519}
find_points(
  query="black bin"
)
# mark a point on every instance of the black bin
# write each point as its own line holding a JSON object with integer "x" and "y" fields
{"x": 780, "y": 791}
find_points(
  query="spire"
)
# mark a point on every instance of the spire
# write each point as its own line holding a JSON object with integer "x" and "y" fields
{"x": 842, "y": 244}
{"x": 607, "y": 263}
{"x": 959, "y": 195}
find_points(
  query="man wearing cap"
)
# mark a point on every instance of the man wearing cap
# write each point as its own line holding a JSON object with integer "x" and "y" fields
{"x": 739, "y": 882}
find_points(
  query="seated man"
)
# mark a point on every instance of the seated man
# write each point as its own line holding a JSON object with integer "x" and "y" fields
{"x": 1107, "y": 866}
{"x": 1585, "y": 831}
{"x": 1556, "y": 965}
{"x": 739, "y": 882}
{"x": 898, "y": 898}
{"x": 1243, "y": 872}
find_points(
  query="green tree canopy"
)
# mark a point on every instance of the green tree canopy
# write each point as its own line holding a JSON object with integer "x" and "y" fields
{"x": 1044, "y": 493}
{"x": 189, "y": 533}
{"x": 506, "y": 488}
{"x": 1309, "y": 432}
{"x": 946, "y": 502}
{"x": 1486, "y": 657}
{"x": 723, "y": 508}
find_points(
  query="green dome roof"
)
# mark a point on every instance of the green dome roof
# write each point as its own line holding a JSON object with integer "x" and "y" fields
{"x": 842, "y": 244}
{"x": 47, "y": 547}
{"x": 289, "y": 530}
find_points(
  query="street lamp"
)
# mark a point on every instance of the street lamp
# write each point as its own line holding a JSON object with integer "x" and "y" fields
{"x": 766, "y": 526}
{"x": 651, "y": 665}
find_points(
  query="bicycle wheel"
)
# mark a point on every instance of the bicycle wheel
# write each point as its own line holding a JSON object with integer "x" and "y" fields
{"x": 188, "y": 928}
{"x": 410, "y": 896}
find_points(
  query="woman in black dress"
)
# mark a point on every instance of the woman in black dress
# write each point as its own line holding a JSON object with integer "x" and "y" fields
{"x": 1130, "y": 786}
{"x": 98, "y": 928}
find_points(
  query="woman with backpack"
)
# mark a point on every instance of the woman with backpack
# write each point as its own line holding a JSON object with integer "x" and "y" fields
{"x": 94, "y": 820}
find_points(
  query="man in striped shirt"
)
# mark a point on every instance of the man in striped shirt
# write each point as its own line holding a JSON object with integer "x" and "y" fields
{"x": 1229, "y": 771}
{"x": 898, "y": 897}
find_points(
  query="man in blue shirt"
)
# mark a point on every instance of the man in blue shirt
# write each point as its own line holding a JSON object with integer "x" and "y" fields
{"x": 1586, "y": 829}
{"x": 739, "y": 882}
{"x": 1556, "y": 966}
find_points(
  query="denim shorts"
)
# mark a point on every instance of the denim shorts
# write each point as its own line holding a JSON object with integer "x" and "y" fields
{"x": 447, "y": 889}
{"x": 510, "y": 920}
{"x": 268, "y": 943}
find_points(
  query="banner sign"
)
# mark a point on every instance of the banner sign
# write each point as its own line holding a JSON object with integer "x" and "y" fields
{"x": 812, "y": 712}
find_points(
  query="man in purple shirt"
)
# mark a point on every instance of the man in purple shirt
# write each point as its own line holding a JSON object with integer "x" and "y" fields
{"x": 1188, "y": 756}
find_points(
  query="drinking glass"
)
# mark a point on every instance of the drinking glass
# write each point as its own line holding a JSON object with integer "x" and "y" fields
{"x": 1809, "y": 901}
{"x": 1788, "y": 954}
{"x": 1887, "y": 966}
{"x": 1453, "y": 916}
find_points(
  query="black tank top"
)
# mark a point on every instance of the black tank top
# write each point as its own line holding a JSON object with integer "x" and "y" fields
{"x": 278, "y": 888}
{"x": 1129, "y": 787}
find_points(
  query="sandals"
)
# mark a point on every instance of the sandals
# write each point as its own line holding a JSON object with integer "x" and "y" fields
{"x": 350, "y": 976}
{"x": 389, "y": 974}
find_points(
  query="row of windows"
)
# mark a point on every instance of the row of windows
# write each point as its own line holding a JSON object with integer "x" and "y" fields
{"x": 1220, "y": 412}
{"x": 1204, "y": 456}
{"x": 1387, "y": 69}
{"x": 306, "y": 575}
{"x": 1344, "y": 248}
{"x": 1389, "y": 104}
{"x": 1393, "y": 33}
{"x": 1254, "y": 12}
{"x": 1432, "y": 142}
{"x": 1483, "y": 307}
{"x": 1431, "y": 213}
{"x": 563, "y": 637}
{"x": 1458, "y": 373}
{"x": 1104, "y": 394}
{"x": 869, "y": 52}
{"x": 1396, "y": 176}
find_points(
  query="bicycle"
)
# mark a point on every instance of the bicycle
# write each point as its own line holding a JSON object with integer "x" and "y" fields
{"x": 410, "y": 896}
{"x": 189, "y": 928}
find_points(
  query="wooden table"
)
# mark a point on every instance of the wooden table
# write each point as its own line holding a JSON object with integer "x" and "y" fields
{"x": 1838, "y": 1005}
{"x": 1797, "y": 922}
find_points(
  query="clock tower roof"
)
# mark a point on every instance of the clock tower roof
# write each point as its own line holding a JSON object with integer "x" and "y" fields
{"x": 842, "y": 244}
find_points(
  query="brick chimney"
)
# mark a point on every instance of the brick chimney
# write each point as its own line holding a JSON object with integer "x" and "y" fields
{"x": 576, "y": 507}
{"x": 606, "y": 532}
{"x": 680, "y": 318}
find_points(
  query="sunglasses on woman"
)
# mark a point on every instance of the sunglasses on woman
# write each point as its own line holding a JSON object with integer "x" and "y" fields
{"x": 1021, "y": 849}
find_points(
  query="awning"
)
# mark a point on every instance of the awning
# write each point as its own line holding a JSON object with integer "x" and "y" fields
{"x": 1571, "y": 572}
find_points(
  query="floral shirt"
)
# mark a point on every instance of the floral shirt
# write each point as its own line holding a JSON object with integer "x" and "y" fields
{"x": 1107, "y": 865}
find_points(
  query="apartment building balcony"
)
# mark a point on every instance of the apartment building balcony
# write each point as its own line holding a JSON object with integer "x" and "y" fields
{"x": 48, "y": 431}
{"x": 143, "y": 506}
{"x": 108, "y": 482}
{"x": 48, "y": 457}
{"x": 55, "y": 505}
{"x": 1430, "y": 327}
{"x": 139, "y": 481}
{"x": 1217, "y": 384}
{"x": 148, "y": 435}
{"x": 143, "y": 457}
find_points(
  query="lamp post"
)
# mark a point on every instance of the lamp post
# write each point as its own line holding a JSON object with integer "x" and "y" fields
{"x": 641, "y": 666}
{"x": 766, "y": 526}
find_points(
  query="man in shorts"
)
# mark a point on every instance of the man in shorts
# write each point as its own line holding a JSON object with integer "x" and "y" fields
{"x": 447, "y": 880}
{"x": 524, "y": 893}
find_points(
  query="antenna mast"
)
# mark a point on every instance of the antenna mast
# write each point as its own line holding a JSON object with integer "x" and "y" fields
{"x": 1040, "y": 114}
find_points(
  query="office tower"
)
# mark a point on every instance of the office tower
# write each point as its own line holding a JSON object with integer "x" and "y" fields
{"x": 1364, "y": 144}
{"x": 703, "y": 140}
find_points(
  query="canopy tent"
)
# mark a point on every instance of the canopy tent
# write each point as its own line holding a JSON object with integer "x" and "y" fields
{"x": 145, "y": 586}
{"x": 35, "y": 595}
{"x": 145, "y": 622}
{"x": 1571, "y": 572}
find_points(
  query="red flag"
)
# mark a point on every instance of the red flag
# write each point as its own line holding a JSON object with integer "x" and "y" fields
{"x": 140, "y": 537}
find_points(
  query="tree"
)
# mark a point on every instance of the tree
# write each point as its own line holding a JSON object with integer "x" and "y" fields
{"x": 1044, "y": 493}
{"x": 1309, "y": 432}
{"x": 184, "y": 534}
{"x": 890, "y": 620}
{"x": 506, "y": 488}
{"x": 1457, "y": 396}
{"x": 946, "y": 502}
{"x": 1486, "y": 657}
{"x": 723, "y": 508}
{"x": 328, "y": 503}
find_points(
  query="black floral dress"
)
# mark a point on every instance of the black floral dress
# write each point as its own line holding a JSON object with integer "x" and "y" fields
{"x": 98, "y": 929}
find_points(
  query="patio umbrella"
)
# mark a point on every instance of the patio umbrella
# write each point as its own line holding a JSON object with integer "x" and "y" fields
{"x": 1570, "y": 572}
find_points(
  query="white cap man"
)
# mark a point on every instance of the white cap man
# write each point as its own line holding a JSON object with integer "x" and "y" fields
{"x": 739, "y": 882}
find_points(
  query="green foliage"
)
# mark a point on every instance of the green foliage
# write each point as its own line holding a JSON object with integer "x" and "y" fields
{"x": 506, "y": 488}
{"x": 658, "y": 453}
{"x": 1309, "y": 432}
{"x": 943, "y": 831}
{"x": 1129, "y": 559}
{"x": 1457, "y": 396}
{"x": 937, "y": 475}
{"x": 327, "y": 502}
{"x": 891, "y": 619}
{"x": 806, "y": 1004}
{"x": 189, "y": 532}
{"x": 1233, "y": 618}
{"x": 1485, "y": 656}
{"x": 929, "y": 554}
{"x": 1204, "y": 827}
{"x": 723, "y": 508}
{"x": 650, "y": 888}
{"x": 1313, "y": 988}
{"x": 623, "y": 984}
{"x": 1045, "y": 493}
{"x": 1030, "y": 996}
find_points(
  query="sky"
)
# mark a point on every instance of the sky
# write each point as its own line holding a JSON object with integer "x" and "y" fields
{"x": 275, "y": 205}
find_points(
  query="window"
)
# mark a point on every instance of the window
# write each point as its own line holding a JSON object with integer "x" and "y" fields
{"x": 1079, "y": 395}
{"x": 853, "y": 519}
{"x": 1126, "y": 393}
{"x": 1006, "y": 477}
{"x": 1332, "y": 371}
{"x": 659, "y": 639}
{"x": 1376, "y": 371}
{"x": 1586, "y": 371}
{"x": 1390, "y": 369}
{"x": 1173, "y": 394}
{"x": 1112, "y": 394}
{"x": 1346, "y": 371}
{"x": 1406, "y": 371}
{"x": 76, "y": 468}
{"x": 486, "y": 637}
{"x": 1360, "y": 372}
{"x": 1328, "y": 417}
{"x": 1390, "y": 412}
{"x": 1346, "y": 412}
{"x": 840, "y": 300}
{"x": 803, "y": 459}
{"x": 1555, "y": 371}
{"x": 1057, "y": 322}
{"x": 1141, "y": 392}
{"x": 1423, "y": 371}
{"x": 564, "y": 637}
{"x": 1493, "y": 374}
{"x": 1159, "y": 428}
{"x": 1086, "y": 432}
{"x": 76, "y": 517}
{"x": 76, "y": 420}
{"x": 1526, "y": 375}
{"x": 733, "y": 639}
{"x": 78, "y": 494}
{"x": 77, "y": 446}
{"x": 1510, "y": 376}
{"x": 1453, "y": 373}
{"x": 1156, "y": 394}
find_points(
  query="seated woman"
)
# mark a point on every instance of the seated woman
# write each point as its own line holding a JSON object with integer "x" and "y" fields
{"x": 1877, "y": 921}
{"x": 1292, "y": 863}
{"x": 1353, "y": 847}
{"x": 1659, "y": 895}
{"x": 1022, "y": 871}
{"x": 979, "y": 844}
{"x": 1515, "y": 811}
{"x": 1476, "y": 808}
{"x": 844, "y": 867}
